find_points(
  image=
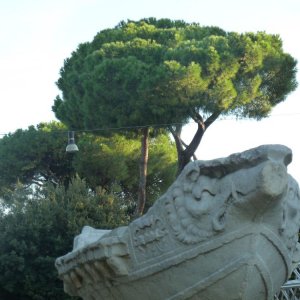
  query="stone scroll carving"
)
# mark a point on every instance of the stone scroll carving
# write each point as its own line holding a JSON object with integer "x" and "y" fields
{"x": 225, "y": 229}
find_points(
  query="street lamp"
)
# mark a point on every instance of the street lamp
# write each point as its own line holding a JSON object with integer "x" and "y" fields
{"x": 71, "y": 147}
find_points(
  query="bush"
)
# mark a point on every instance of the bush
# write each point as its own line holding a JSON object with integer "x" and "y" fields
{"x": 33, "y": 233}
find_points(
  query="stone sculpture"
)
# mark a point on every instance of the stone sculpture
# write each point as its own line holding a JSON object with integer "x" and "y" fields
{"x": 225, "y": 229}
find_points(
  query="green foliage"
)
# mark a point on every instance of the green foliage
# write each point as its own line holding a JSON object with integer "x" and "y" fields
{"x": 111, "y": 163}
{"x": 161, "y": 167}
{"x": 34, "y": 233}
{"x": 104, "y": 161}
{"x": 38, "y": 223}
{"x": 161, "y": 71}
{"x": 37, "y": 156}
{"x": 34, "y": 156}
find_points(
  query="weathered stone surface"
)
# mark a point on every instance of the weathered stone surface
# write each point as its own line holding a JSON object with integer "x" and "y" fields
{"x": 225, "y": 229}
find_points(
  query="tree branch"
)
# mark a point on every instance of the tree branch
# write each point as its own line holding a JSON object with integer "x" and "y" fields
{"x": 202, "y": 126}
{"x": 192, "y": 147}
{"x": 176, "y": 135}
{"x": 197, "y": 117}
{"x": 185, "y": 145}
{"x": 212, "y": 118}
{"x": 37, "y": 182}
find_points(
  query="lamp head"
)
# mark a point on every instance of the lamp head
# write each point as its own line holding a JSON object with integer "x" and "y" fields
{"x": 71, "y": 147}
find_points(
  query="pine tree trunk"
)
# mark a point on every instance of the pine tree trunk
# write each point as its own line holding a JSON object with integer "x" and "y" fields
{"x": 185, "y": 155}
{"x": 143, "y": 173}
{"x": 183, "y": 159}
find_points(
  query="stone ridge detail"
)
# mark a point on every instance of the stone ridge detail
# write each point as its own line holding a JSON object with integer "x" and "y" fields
{"x": 225, "y": 229}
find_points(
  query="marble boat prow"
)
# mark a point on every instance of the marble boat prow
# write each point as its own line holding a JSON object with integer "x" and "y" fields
{"x": 225, "y": 229}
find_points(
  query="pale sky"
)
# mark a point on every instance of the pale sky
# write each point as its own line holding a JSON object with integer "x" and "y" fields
{"x": 37, "y": 35}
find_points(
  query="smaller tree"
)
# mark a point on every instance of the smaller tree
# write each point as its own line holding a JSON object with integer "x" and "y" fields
{"x": 34, "y": 156}
{"x": 35, "y": 232}
{"x": 37, "y": 155}
{"x": 111, "y": 164}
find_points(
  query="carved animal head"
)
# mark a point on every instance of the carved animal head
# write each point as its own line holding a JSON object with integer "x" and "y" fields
{"x": 249, "y": 187}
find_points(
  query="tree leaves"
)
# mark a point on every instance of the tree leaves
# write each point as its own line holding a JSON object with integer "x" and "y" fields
{"x": 163, "y": 72}
{"x": 34, "y": 155}
{"x": 124, "y": 69}
{"x": 37, "y": 156}
{"x": 35, "y": 232}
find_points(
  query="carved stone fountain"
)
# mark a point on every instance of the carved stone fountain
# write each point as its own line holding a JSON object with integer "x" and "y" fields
{"x": 225, "y": 229}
